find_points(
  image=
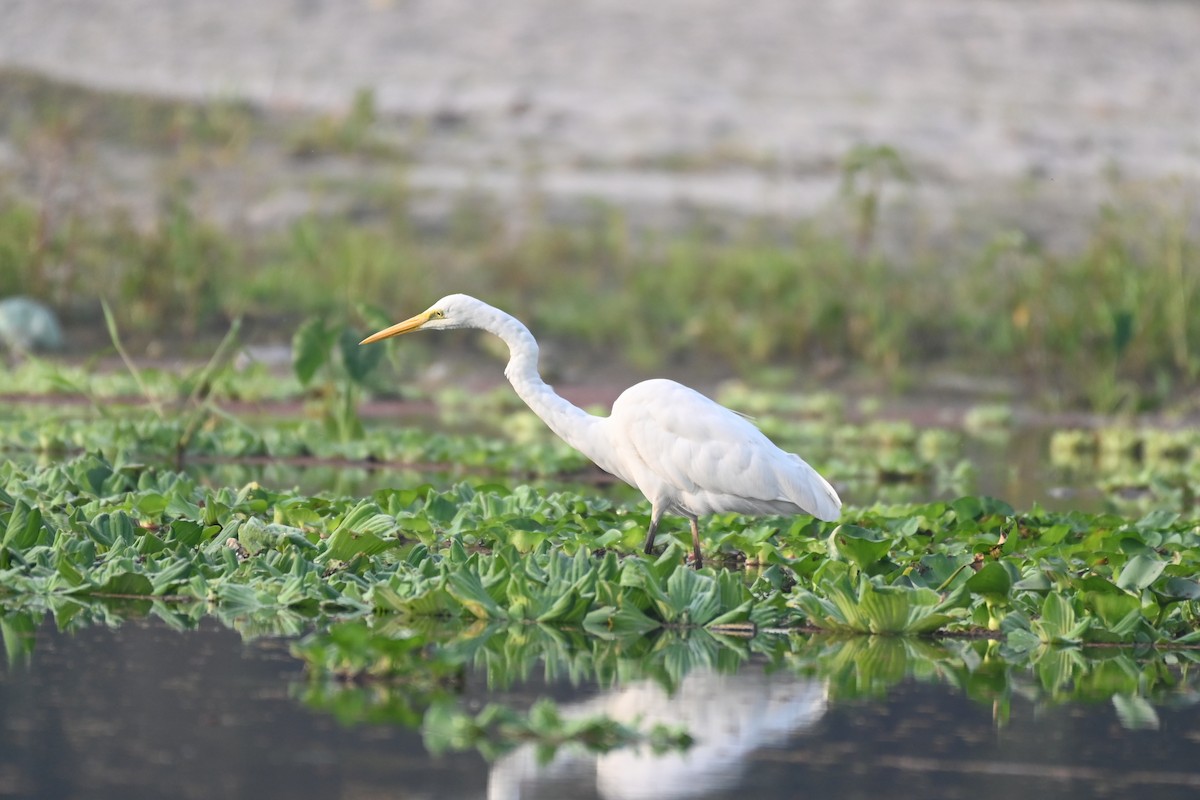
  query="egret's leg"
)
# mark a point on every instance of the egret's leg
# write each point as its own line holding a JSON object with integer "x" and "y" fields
{"x": 698, "y": 561}
{"x": 649, "y": 548}
{"x": 655, "y": 516}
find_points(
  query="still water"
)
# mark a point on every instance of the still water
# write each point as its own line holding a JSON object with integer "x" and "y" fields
{"x": 143, "y": 710}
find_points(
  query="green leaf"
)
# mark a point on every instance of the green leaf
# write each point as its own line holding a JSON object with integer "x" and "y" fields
{"x": 238, "y": 598}
{"x": 113, "y": 529}
{"x": 127, "y": 584}
{"x": 860, "y": 546}
{"x": 151, "y": 504}
{"x": 1033, "y": 580}
{"x": 992, "y": 580}
{"x": 1059, "y": 624}
{"x": 310, "y": 349}
{"x": 1178, "y": 589}
{"x": 173, "y": 576}
{"x": 694, "y": 599}
{"x": 899, "y": 609}
{"x": 1157, "y": 520}
{"x": 24, "y": 527}
{"x": 422, "y": 600}
{"x": 72, "y": 576}
{"x": 256, "y": 536}
{"x": 866, "y": 607}
{"x": 359, "y": 361}
{"x": 1140, "y": 572}
{"x": 994, "y": 506}
{"x": 358, "y": 532}
{"x": 1097, "y": 584}
{"x": 186, "y": 532}
{"x": 465, "y": 586}
{"x": 1112, "y": 609}
{"x": 569, "y": 608}
{"x": 967, "y": 508}
{"x": 149, "y": 544}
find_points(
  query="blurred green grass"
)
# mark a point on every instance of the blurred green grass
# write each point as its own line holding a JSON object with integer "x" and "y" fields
{"x": 1111, "y": 326}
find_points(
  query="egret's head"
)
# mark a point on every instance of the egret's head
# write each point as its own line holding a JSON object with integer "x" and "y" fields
{"x": 452, "y": 311}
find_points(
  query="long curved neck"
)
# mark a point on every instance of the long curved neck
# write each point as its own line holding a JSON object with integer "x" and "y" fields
{"x": 573, "y": 425}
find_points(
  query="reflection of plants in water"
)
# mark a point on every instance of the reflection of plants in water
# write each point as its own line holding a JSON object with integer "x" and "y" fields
{"x": 428, "y": 674}
{"x": 360, "y": 675}
{"x": 867, "y": 667}
{"x": 413, "y": 676}
{"x": 392, "y": 650}
{"x": 402, "y": 670}
{"x": 1134, "y": 467}
{"x": 805, "y": 670}
{"x": 18, "y": 633}
{"x": 498, "y": 728}
{"x": 992, "y": 673}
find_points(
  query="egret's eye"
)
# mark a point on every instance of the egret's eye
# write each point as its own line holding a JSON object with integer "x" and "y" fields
{"x": 437, "y": 314}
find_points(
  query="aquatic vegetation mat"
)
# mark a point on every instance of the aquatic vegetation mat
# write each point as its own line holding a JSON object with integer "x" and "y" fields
{"x": 395, "y": 597}
{"x": 90, "y": 527}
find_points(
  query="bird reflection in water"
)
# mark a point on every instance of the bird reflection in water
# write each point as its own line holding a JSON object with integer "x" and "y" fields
{"x": 729, "y": 716}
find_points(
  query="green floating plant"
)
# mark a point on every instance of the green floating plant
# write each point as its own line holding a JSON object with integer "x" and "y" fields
{"x": 844, "y": 600}
{"x": 90, "y": 526}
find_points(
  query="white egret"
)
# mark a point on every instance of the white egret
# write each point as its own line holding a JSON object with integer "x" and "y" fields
{"x": 685, "y": 453}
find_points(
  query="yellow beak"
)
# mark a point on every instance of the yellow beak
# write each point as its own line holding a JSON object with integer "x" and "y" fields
{"x": 409, "y": 325}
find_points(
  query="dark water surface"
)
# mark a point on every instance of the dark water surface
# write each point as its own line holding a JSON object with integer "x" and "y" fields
{"x": 146, "y": 711}
{"x": 142, "y": 710}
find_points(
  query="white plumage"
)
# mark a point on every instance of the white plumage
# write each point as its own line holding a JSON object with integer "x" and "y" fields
{"x": 687, "y": 454}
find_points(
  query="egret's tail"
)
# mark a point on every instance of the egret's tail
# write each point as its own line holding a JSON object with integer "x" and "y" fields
{"x": 813, "y": 493}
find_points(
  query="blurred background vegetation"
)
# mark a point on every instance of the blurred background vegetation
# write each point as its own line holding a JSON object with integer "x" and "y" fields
{"x": 1109, "y": 325}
